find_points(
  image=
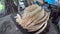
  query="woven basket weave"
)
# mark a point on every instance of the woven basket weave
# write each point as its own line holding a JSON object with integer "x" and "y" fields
{"x": 33, "y": 19}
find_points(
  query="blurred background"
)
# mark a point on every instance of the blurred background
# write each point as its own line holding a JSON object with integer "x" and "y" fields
{"x": 12, "y": 7}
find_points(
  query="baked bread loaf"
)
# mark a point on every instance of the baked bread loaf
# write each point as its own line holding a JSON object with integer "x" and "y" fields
{"x": 33, "y": 18}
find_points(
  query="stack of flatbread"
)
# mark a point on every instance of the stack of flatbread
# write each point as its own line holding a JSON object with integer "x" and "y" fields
{"x": 34, "y": 18}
